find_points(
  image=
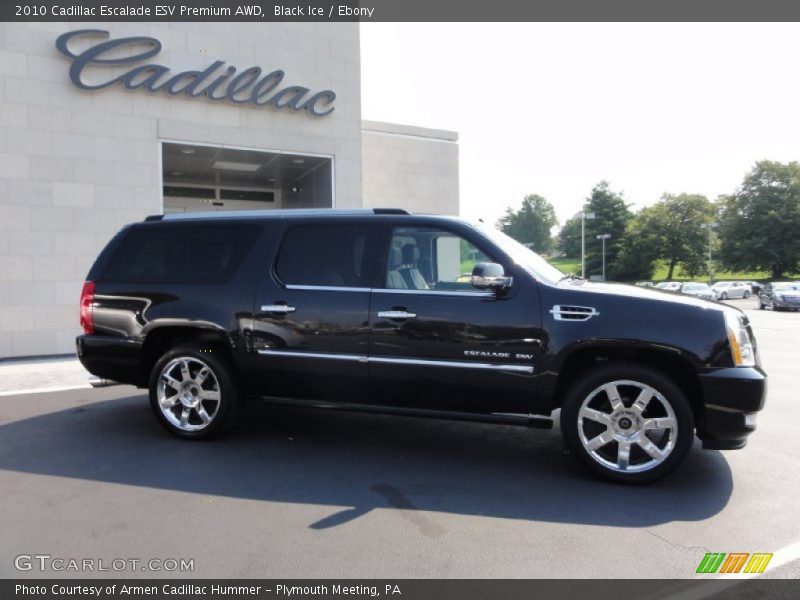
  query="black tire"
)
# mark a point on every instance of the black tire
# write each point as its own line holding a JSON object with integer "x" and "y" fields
{"x": 761, "y": 305}
{"x": 746, "y": 295}
{"x": 723, "y": 296}
{"x": 223, "y": 413}
{"x": 587, "y": 387}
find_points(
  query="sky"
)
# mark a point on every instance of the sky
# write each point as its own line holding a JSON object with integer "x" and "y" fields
{"x": 553, "y": 109}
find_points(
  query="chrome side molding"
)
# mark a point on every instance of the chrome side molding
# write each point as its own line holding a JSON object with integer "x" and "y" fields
{"x": 421, "y": 362}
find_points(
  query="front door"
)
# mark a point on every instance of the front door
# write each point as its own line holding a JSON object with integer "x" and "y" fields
{"x": 310, "y": 326}
{"x": 439, "y": 343}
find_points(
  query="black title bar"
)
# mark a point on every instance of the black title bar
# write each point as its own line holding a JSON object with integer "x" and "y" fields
{"x": 400, "y": 10}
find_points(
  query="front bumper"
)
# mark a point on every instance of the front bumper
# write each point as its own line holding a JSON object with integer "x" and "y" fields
{"x": 785, "y": 303}
{"x": 732, "y": 398}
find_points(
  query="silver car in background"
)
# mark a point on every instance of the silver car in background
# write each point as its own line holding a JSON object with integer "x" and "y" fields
{"x": 700, "y": 290}
{"x": 724, "y": 290}
{"x": 670, "y": 286}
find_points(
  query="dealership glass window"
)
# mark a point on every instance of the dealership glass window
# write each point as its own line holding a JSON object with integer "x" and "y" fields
{"x": 423, "y": 258}
{"x": 332, "y": 255}
{"x": 179, "y": 253}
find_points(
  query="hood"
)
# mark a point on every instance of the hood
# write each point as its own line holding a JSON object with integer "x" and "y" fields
{"x": 632, "y": 291}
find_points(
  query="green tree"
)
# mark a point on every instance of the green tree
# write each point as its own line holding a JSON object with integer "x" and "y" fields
{"x": 531, "y": 224}
{"x": 611, "y": 216}
{"x": 669, "y": 230}
{"x": 760, "y": 222}
{"x": 679, "y": 219}
{"x": 569, "y": 238}
{"x": 639, "y": 249}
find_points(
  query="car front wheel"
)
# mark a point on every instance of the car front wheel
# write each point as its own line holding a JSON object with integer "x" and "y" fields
{"x": 193, "y": 393}
{"x": 627, "y": 422}
{"x": 746, "y": 295}
{"x": 723, "y": 296}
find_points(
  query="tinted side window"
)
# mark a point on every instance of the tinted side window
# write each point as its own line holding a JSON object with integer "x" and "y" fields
{"x": 332, "y": 255}
{"x": 180, "y": 253}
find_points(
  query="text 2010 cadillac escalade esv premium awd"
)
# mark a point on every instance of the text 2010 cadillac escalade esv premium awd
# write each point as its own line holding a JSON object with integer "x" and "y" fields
{"x": 380, "y": 310}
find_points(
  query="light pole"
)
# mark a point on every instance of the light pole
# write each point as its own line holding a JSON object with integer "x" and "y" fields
{"x": 584, "y": 216}
{"x": 710, "y": 226}
{"x": 604, "y": 237}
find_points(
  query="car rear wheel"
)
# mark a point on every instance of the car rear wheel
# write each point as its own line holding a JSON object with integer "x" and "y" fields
{"x": 627, "y": 422}
{"x": 746, "y": 295}
{"x": 193, "y": 393}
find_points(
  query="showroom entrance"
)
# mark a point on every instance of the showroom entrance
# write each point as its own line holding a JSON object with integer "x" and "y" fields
{"x": 214, "y": 178}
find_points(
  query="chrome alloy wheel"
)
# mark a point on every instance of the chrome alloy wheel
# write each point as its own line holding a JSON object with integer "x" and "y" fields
{"x": 188, "y": 393}
{"x": 627, "y": 426}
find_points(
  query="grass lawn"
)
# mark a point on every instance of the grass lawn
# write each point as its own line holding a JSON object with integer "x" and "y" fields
{"x": 573, "y": 265}
{"x": 566, "y": 265}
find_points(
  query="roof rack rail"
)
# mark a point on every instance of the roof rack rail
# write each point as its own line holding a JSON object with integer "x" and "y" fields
{"x": 279, "y": 213}
{"x": 391, "y": 211}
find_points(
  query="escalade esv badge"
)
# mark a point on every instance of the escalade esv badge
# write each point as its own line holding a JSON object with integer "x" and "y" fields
{"x": 485, "y": 354}
{"x": 371, "y": 310}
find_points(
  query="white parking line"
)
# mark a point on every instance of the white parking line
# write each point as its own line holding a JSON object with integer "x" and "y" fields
{"x": 45, "y": 390}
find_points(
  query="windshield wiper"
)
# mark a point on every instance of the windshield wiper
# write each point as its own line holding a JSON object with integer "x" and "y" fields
{"x": 570, "y": 276}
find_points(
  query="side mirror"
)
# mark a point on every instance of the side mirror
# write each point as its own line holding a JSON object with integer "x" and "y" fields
{"x": 490, "y": 276}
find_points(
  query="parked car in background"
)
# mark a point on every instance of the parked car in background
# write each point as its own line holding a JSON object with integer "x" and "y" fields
{"x": 755, "y": 286}
{"x": 724, "y": 290}
{"x": 779, "y": 295}
{"x": 700, "y": 290}
{"x": 644, "y": 283}
{"x": 671, "y": 286}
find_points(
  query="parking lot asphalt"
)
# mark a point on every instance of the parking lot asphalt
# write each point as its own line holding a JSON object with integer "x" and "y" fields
{"x": 89, "y": 473}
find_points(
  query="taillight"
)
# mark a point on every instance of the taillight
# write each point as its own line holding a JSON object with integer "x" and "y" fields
{"x": 87, "y": 300}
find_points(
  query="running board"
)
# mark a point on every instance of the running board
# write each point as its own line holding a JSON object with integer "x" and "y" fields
{"x": 521, "y": 420}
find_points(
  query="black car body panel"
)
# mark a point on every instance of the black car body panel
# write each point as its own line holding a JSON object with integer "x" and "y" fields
{"x": 464, "y": 351}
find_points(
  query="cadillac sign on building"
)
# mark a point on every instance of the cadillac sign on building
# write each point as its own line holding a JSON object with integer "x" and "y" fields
{"x": 215, "y": 82}
{"x": 107, "y": 123}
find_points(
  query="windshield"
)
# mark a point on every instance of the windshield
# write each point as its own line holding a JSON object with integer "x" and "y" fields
{"x": 786, "y": 287}
{"x": 523, "y": 256}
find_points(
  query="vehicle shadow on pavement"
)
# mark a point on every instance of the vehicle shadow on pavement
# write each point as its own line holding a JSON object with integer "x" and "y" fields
{"x": 359, "y": 462}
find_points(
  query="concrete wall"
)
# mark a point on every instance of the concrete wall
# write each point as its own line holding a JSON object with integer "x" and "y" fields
{"x": 410, "y": 167}
{"x": 75, "y": 165}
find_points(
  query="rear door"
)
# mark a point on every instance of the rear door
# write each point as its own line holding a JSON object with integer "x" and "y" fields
{"x": 311, "y": 313}
{"x": 437, "y": 342}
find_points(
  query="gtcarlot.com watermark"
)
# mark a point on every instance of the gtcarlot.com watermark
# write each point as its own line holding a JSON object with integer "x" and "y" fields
{"x": 58, "y": 564}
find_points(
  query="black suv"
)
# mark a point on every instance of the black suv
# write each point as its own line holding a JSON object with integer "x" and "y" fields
{"x": 384, "y": 311}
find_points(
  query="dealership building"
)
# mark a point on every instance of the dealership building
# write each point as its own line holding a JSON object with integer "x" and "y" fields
{"x": 103, "y": 124}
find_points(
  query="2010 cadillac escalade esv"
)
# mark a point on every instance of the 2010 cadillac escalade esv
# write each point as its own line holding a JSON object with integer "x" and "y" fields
{"x": 381, "y": 310}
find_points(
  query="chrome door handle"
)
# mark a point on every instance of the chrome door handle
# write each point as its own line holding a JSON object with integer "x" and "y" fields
{"x": 396, "y": 314}
{"x": 278, "y": 308}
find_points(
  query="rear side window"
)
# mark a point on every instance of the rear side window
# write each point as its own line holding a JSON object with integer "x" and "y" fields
{"x": 332, "y": 255}
{"x": 180, "y": 253}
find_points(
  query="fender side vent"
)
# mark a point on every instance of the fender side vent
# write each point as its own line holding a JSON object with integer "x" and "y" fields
{"x": 562, "y": 312}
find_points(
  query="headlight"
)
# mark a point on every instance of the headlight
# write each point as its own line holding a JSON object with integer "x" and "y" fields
{"x": 741, "y": 345}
